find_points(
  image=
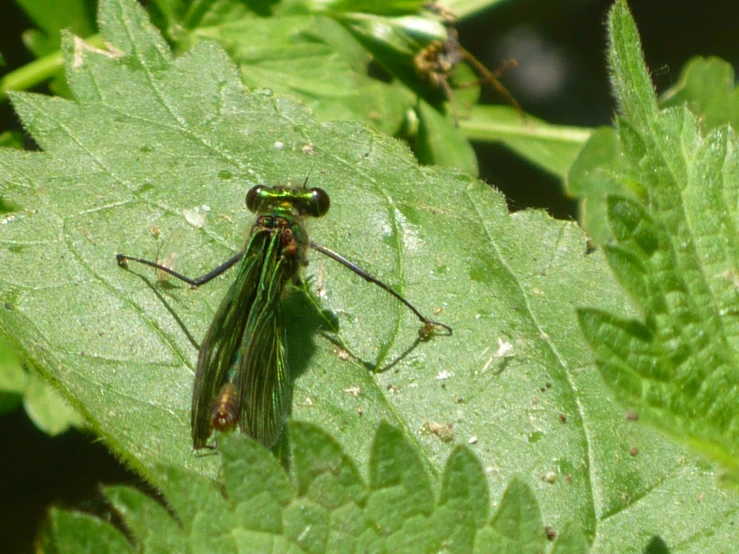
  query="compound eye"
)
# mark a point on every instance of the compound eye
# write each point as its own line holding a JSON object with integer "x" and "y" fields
{"x": 253, "y": 198}
{"x": 320, "y": 202}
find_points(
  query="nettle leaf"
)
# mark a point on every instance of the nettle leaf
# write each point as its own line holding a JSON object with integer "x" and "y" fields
{"x": 674, "y": 249}
{"x": 77, "y": 532}
{"x": 258, "y": 510}
{"x": 153, "y": 157}
{"x": 706, "y": 88}
{"x": 50, "y": 18}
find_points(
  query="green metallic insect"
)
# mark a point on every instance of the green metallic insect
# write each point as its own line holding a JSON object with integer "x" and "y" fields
{"x": 242, "y": 375}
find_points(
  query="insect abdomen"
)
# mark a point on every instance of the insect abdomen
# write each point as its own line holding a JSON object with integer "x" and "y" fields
{"x": 224, "y": 413}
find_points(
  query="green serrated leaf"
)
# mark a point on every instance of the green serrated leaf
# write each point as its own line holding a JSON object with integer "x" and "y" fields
{"x": 155, "y": 148}
{"x": 154, "y": 528}
{"x": 197, "y": 501}
{"x": 464, "y": 502}
{"x": 213, "y": 520}
{"x": 241, "y": 457}
{"x": 631, "y": 82}
{"x": 398, "y": 478}
{"x": 517, "y": 526}
{"x": 674, "y": 250}
{"x": 461, "y": 490}
{"x": 322, "y": 472}
{"x": 83, "y": 533}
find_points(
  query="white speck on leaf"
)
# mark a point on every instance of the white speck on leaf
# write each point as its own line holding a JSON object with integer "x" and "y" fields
{"x": 355, "y": 391}
{"x": 194, "y": 217}
{"x": 505, "y": 349}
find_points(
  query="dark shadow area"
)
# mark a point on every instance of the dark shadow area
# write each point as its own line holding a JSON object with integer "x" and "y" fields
{"x": 373, "y": 368}
{"x": 156, "y": 289}
{"x": 303, "y": 321}
{"x": 525, "y": 186}
{"x": 657, "y": 546}
{"x": 395, "y": 361}
{"x": 7, "y": 207}
{"x": 39, "y": 471}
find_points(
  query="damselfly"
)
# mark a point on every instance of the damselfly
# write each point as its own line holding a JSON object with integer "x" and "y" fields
{"x": 242, "y": 375}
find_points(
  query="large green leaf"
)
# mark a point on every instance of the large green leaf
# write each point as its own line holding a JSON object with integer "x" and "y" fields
{"x": 156, "y": 151}
{"x": 328, "y": 507}
{"x": 674, "y": 249}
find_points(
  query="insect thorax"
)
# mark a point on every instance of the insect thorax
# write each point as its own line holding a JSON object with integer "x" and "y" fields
{"x": 292, "y": 236}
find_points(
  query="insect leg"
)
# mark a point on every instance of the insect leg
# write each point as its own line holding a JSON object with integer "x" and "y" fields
{"x": 367, "y": 277}
{"x": 196, "y": 282}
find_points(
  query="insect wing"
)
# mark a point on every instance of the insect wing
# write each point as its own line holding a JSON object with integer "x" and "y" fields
{"x": 225, "y": 336}
{"x": 263, "y": 374}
